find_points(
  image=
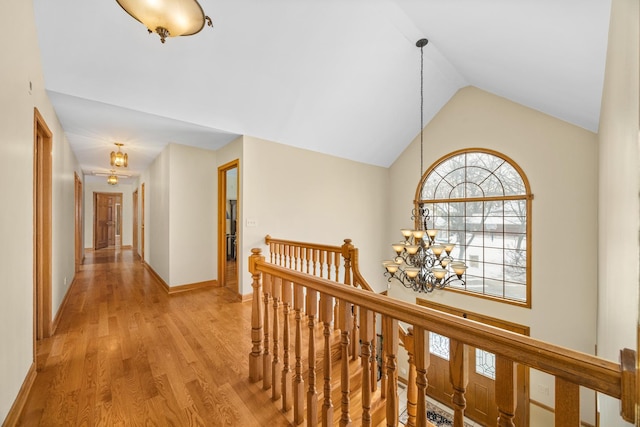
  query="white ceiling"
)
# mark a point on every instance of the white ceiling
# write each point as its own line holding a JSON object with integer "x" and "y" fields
{"x": 335, "y": 76}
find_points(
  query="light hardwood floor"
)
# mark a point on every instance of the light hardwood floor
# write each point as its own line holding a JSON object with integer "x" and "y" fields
{"x": 125, "y": 353}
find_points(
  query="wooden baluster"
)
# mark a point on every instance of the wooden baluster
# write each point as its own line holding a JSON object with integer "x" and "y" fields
{"x": 366, "y": 337}
{"x": 287, "y": 374}
{"x": 315, "y": 261}
{"x": 421, "y": 350}
{"x": 506, "y": 396}
{"x": 255, "y": 367}
{"x": 298, "y": 387}
{"x": 391, "y": 351}
{"x": 345, "y": 322}
{"x": 312, "y": 393}
{"x": 308, "y": 257}
{"x": 374, "y": 359}
{"x": 412, "y": 387}
{"x": 337, "y": 265}
{"x": 459, "y": 377}
{"x": 276, "y": 364}
{"x": 354, "y": 343}
{"x": 298, "y": 265}
{"x": 322, "y": 262}
{"x": 266, "y": 360}
{"x": 567, "y": 403}
{"x": 326, "y": 315}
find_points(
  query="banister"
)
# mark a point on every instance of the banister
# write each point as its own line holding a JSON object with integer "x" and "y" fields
{"x": 330, "y": 248}
{"x": 573, "y": 366}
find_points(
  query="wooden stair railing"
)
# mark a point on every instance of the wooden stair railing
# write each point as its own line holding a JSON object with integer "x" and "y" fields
{"x": 329, "y": 301}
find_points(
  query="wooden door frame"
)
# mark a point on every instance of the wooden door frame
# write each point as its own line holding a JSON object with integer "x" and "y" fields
{"x": 222, "y": 229}
{"x": 142, "y": 233}
{"x": 79, "y": 253}
{"x": 95, "y": 214}
{"x": 42, "y": 240}
{"x": 134, "y": 197}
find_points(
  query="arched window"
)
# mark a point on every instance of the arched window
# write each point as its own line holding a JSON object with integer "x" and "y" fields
{"x": 481, "y": 200}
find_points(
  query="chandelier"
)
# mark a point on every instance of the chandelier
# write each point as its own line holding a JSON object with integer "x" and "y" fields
{"x": 112, "y": 179}
{"x": 119, "y": 159}
{"x": 168, "y": 18}
{"x": 423, "y": 263}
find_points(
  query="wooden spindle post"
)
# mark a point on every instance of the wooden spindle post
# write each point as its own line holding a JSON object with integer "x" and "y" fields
{"x": 276, "y": 364}
{"x": 287, "y": 374}
{"x": 312, "y": 392}
{"x": 266, "y": 359}
{"x": 354, "y": 342}
{"x": 366, "y": 337}
{"x": 255, "y": 365}
{"x": 506, "y": 396}
{"x": 391, "y": 350}
{"x": 459, "y": 377}
{"x": 374, "y": 357}
{"x": 327, "y": 317}
{"x": 412, "y": 392}
{"x": 567, "y": 404}
{"x": 298, "y": 386}
{"x": 345, "y": 322}
{"x": 421, "y": 355}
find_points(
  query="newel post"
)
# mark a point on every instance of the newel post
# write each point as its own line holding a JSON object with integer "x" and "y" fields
{"x": 255, "y": 357}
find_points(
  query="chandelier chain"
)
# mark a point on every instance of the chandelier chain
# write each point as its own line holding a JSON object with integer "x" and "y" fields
{"x": 421, "y": 109}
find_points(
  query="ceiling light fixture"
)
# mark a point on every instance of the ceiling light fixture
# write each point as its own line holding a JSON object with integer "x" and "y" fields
{"x": 422, "y": 263}
{"x": 168, "y": 18}
{"x": 113, "y": 178}
{"x": 119, "y": 159}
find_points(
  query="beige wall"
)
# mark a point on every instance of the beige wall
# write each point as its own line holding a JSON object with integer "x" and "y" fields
{"x": 559, "y": 160}
{"x": 301, "y": 195}
{"x": 21, "y": 66}
{"x": 619, "y": 185}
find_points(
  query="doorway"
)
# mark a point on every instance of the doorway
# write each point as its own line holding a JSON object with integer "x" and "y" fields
{"x": 107, "y": 223}
{"x": 228, "y": 236}
{"x": 43, "y": 143}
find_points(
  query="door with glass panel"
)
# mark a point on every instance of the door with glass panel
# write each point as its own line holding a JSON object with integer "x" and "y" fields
{"x": 480, "y": 393}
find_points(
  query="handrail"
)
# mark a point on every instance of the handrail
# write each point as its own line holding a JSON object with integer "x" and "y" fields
{"x": 576, "y": 367}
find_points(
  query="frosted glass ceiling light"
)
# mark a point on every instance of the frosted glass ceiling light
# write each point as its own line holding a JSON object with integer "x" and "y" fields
{"x": 168, "y": 18}
{"x": 113, "y": 178}
{"x": 119, "y": 159}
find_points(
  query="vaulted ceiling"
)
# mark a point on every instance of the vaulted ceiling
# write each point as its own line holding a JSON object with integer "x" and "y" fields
{"x": 340, "y": 77}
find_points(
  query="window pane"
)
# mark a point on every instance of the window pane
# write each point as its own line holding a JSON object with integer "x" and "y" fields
{"x": 495, "y": 256}
{"x": 494, "y": 287}
{"x": 443, "y": 190}
{"x": 516, "y": 291}
{"x": 515, "y": 274}
{"x": 493, "y": 271}
{"x": 492, "y": 187}
{"x": 486, "y": 363}
{"x": 513, "y": 183}
{"x": 439, "y": 345}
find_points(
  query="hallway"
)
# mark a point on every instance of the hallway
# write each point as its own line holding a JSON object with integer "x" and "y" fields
{"x": 125, "y": 353}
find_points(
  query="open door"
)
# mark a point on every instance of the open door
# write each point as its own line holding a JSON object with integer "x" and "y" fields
{"x": 228, "y": 225}
{"x": 106, "y": 224}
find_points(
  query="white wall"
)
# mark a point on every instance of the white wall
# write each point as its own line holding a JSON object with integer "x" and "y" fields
{"x": 157, "y": 209}
{"x": 127, "y": 190}
{"x": 302, "y": 195}
{"x": 21, "y": 65}
{"x": 193, "y": 215}
{"x": 619, "y": 184}
{"x": 180, "y": 215}
{"x": 559, "y": 160}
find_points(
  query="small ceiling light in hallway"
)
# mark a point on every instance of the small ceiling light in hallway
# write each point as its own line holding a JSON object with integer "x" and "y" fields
{"x": 113, "y": 178}
{"x": 119, "y": 159}
{"x": 168, "y": 18}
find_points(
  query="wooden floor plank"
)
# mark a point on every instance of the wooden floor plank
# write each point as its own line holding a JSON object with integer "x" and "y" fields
{"x": 126, "y": 353}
